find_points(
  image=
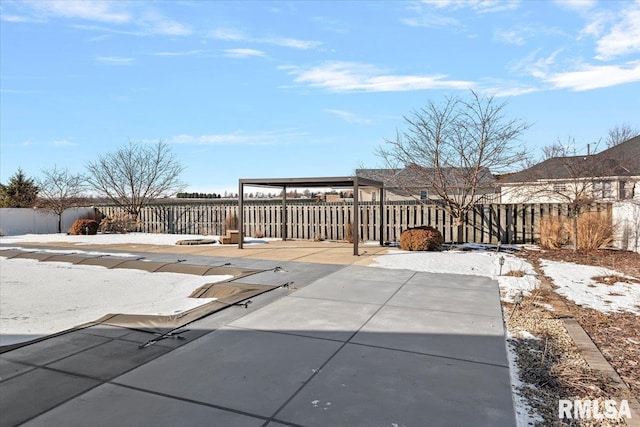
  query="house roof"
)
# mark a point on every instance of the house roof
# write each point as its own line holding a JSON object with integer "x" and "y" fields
{"x": 620, "y": 160}
{"x": 417, "y": 177}
{"x": 627, "y": 154}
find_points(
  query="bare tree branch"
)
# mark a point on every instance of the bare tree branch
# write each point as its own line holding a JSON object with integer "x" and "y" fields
{"x": 136, "y": 174}
{"x": 60, "y": 190}
{"x": 453, "y": 147}
{"x": 621, "y": 133}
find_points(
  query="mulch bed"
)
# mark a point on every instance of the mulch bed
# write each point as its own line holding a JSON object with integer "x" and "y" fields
{"x": 617, "y": 335}
{"x": 551, "y": 365}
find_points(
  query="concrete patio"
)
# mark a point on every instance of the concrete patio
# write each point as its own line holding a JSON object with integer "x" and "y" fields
{"x": 345, "y": 345}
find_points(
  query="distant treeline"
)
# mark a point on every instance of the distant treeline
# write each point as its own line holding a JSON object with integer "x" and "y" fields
{"x": 198, "y": 196}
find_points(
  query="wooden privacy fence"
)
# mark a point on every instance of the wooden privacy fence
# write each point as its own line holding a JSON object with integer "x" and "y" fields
{"x": 491, "y": 223}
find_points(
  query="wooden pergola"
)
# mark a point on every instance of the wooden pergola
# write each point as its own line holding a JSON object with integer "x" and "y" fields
{"x": 353, "y": 182}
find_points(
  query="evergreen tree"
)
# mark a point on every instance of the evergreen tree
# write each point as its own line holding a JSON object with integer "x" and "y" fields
{"x": 20, "y": 192}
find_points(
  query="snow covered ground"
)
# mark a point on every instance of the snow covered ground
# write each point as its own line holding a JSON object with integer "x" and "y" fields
{"x": 576, "y": 283}
{"x": 43, "y": 298}
{"x": 104, "y": 239}
{"x": 39, "y": 299}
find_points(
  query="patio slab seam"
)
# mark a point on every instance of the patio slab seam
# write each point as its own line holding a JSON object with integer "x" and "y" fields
{"x": 344, "y": 344}
{"x": 488, "y": 316}
{"x": 188, "y": 400}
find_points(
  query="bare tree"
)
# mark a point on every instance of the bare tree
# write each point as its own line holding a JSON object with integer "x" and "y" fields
{"x": 555, "y": 150}
{"x": 576, "y": 180}
{"x": 136, "y": 174}
{"x": 60, "y": 190}
{"x": 621, "y": 133}
{"x": 454, "y": 147}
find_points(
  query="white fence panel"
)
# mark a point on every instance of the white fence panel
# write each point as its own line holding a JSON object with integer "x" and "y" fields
{"x": 626, "y": 222}
{"x": 16, "y": 221}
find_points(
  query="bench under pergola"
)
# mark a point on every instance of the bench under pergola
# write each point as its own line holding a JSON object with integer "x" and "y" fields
{"x": 353, "y": 182}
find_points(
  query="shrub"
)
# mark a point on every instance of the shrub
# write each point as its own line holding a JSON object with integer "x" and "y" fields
{"x": 349, "y": 232}
{"x": 84, "y": 226}
{"x": 595, "y": 231}
{"x": 421, "y": 239}
{"x": 231, "y": 222}
{"x": 553, "y": 232}
{"x": 259, "y": 233}
{"x": 119, "y": 223}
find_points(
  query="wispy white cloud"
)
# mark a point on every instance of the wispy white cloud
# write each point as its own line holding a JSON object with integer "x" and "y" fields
{"x": 228, "y": 34}
{"x": 348, "y": 116}
{"x": 430, "y": 19}
{"x": 588, "y": 77}
{"x": 7, "y": 17}
{"x": 554, "y": 72}
{"x": 101, "y": 11}
{"x": 155, "y": 23}
{"x": 507, "y": 88}
{"x": 244, "y": 53}
{"x": 292, "y": 43}
{"x": 278, "y": 137}
{"x": 577, "y": 5}
{"x": 597, "y": 22}
{"x": 358, "y": 77}
{"x": 63, "y": 143}
{"x": 167, "y": 28}
{"x": 231, "y": 34}
{"x": 115, "y": 60}
{"x": 101, "y": 37}
{"x": 623, "y": 38}
{"x": 109, "y": 30}
{"x": 511, "y": 36}
{"x": 119, "y": 17}
{"x": 60, "y": 143}
{"x": 615, "y": 30}
{"x": 536, "y": 66}
{"x": 331, "y": 24}
{"x": 521, "y": 34}
{"x": 481, "y": 6}
{"x": 195, "y": 52}
{"x": 438, "y": 13}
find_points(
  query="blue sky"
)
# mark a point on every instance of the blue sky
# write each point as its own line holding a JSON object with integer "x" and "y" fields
{"x": 283, "y": 89}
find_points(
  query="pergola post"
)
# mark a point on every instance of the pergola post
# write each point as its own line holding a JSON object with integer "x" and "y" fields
{"x": 284, "y": 213}
{"x": 382, "y": 216}
{"x": 240, "y": 214}
{"x": 356, "y": 217}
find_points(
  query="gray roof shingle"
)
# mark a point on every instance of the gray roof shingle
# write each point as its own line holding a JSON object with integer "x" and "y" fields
{"x": 620, "y": 160}
{"x": 417, "y": 177}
